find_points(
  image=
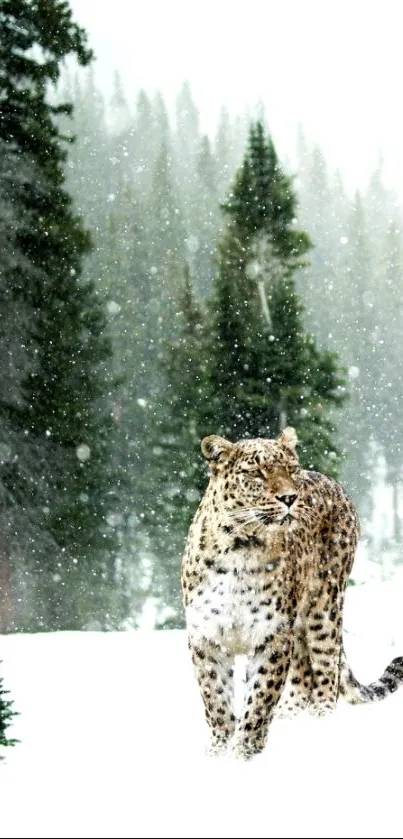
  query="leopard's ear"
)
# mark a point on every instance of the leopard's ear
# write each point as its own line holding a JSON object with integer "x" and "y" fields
{"x": 289, "y": 438}
{"x": 216, "y": 449}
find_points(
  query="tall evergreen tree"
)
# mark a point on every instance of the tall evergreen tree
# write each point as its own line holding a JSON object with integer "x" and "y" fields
{"x": 145, "y": 145}
{"x": 319, "y": 215}
{"x": 187, "y": 127}
{"x": 263, "y": 369}
{"x": 161, "y": 119}
{"x": 119, "y": 113}
{"x": 58, "y": 470}
{"x": 223, "y": 151}
{"x": 203, "y": 240}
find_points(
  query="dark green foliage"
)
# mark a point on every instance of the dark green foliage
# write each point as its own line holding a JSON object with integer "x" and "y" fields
{"x": 6, "y": 716}
{"x": 60, "y": 470}
{"x": 263, "y": 200}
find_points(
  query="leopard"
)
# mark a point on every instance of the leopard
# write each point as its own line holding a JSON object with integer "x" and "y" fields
{"x": 266, "y": 563}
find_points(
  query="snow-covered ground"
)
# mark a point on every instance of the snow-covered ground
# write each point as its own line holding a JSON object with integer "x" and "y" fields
{"x": 112, "y": 743}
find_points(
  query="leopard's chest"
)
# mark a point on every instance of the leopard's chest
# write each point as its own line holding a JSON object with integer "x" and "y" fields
{"x": 239, "y": 601}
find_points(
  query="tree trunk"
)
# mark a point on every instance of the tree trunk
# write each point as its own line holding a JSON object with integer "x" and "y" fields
{"x": 265, "y": 305}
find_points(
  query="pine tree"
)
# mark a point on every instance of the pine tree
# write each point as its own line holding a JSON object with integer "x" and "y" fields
{"x": 59, "y": 473}
{"x": 144, "y": 147}
{"x": 223, "y": 151}
{"x": 119, "y": 113}
{"x": 166, "y": 226}
{"x": 187, "y": 128}
{"x": 264, "y": 371}
{"x": 88, "y": 165}
{"x": 6, "y": 715}
{"x": 320, "y": 217}
{"x": 203, "y": 240}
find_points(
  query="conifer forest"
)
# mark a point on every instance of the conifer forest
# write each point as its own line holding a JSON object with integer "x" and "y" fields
{"x": 158, "y": 284}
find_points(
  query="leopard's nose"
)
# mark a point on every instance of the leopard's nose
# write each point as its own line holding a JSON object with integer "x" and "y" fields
{"x": 286, "y": 499}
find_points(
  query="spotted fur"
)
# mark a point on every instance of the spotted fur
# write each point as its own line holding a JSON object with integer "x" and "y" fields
{"x": 264, "y": 573}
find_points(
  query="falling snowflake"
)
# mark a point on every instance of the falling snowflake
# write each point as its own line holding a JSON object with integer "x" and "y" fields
{"x": 83, "y": 452}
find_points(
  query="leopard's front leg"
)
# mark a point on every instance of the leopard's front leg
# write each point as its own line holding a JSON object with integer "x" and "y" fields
{"x": 214, "y": 670}
{"x": 266, "y": 672}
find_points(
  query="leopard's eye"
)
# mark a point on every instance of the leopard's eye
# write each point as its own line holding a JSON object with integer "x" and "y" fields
{"x": 255, "y": 475}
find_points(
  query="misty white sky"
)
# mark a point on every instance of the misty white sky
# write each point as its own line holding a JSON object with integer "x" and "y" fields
{"x": 336, "y": 67}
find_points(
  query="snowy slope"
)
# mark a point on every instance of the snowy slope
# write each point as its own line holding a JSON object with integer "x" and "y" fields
{"x": 112, "y": 737}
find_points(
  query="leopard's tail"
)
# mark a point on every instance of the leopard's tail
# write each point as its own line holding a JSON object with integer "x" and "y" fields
{"x": 355, "y": 693}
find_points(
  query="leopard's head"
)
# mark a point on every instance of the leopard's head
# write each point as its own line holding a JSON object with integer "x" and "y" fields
{"x": 255, "y": 480}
